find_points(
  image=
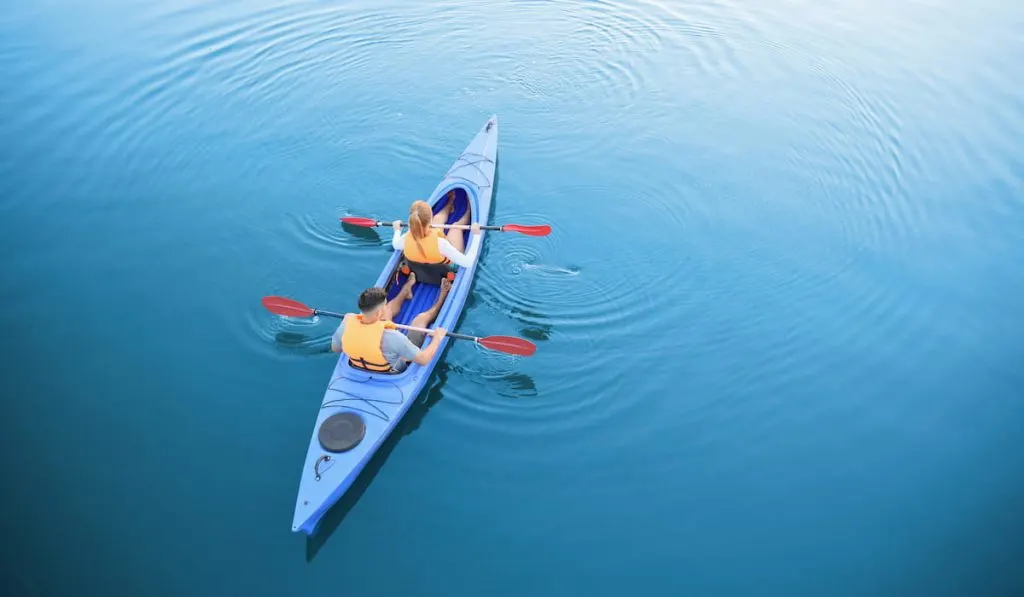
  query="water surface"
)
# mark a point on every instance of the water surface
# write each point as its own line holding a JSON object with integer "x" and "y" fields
{"x": 779, "y": 319}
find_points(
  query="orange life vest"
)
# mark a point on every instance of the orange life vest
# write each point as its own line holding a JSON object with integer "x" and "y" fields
{"x": 424, "y": 250}
{"x": 362, "y": 341}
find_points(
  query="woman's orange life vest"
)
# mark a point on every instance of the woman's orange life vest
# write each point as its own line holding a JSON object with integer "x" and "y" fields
{"x": 424, "y": 250}
{"x": 362, "y": 343}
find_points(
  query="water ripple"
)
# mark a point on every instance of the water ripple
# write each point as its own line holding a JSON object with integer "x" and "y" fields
{"x": 794, "y": 223}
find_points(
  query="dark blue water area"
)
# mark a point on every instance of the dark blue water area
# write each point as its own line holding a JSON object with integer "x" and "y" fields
{"x": 780, "y": 320}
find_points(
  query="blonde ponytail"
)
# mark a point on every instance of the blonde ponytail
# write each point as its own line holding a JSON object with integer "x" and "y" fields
{"x": 420, "y": 216}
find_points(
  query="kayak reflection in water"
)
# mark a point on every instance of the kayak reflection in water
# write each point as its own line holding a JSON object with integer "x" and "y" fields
{"x": 372, "y": 344}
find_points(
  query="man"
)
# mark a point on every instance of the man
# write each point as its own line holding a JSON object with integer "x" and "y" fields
{"x": 370, "y": 341}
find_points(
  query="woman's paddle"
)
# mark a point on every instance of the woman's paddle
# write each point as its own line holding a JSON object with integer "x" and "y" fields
{"x": 537, "y": 230}
{"x": 508, "y": 344}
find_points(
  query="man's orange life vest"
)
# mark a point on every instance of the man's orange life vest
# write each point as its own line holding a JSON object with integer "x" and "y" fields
{"x": 362, "y": 343}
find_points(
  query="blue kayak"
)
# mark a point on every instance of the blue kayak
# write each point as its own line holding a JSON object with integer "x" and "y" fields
{"x": 361, "y": 409}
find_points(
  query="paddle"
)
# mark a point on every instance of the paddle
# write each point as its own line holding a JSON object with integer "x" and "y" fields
{"x": 537, "y": 230}
{"x": 508, "y": 344}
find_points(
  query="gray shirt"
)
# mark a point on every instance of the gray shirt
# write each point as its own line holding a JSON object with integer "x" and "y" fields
{"x": 396, "y": 347}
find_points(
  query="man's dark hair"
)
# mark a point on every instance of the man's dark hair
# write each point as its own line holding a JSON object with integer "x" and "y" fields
{"x": 371, "y": 298}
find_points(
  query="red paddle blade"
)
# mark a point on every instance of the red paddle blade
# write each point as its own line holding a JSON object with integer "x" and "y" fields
{"x": 509, "y": 345}
{"x": 357, "y": 221}
{"x": 542, "y": 230}
{"x": 286, "y": 306}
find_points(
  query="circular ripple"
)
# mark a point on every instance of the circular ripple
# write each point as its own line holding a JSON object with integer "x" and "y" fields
{"x": 582, "y": 77}
{"x": 587, "y": 285}
{"x": 278, "y": 337}
{"x": 588, "y": 54}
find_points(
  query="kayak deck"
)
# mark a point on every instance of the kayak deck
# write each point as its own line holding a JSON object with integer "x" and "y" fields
{"x": 370, "y": 405}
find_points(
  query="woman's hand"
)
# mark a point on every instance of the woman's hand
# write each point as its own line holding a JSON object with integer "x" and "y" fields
{"x": 475, "y": 228}
{"x": 397, "y": 225}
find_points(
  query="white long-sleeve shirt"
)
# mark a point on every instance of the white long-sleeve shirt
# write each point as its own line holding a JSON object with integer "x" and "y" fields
{"x": 446, "y": 248}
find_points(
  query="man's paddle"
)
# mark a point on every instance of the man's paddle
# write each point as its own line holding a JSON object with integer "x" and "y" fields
{"x": 537, "y": 230}
{"x": 507, "y": 344}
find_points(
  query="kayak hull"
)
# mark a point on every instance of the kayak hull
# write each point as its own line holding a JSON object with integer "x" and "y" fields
{"x": 381, "y": 400}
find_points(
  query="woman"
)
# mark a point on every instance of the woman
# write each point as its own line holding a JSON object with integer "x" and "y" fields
{"x": 430, "y": 252}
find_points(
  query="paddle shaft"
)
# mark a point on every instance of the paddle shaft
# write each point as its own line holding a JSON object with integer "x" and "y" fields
{"x": 398, "y": 325}
{"x": 527, "y": 229}
{"x": 458, "y": 226}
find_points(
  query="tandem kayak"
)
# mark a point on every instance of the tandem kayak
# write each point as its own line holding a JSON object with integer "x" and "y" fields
{"x": 360, "y": 409}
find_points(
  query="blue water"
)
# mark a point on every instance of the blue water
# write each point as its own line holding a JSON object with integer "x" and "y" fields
{"x": 780, "y": 318}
